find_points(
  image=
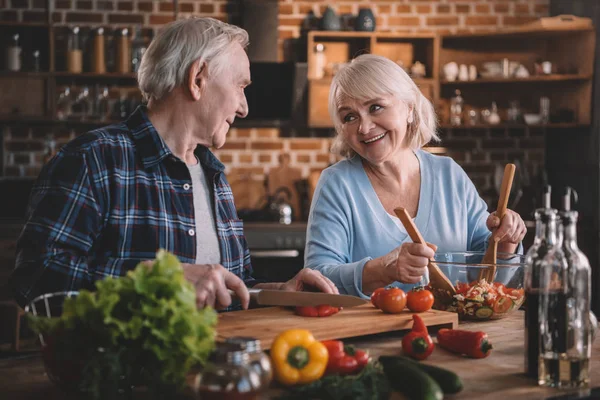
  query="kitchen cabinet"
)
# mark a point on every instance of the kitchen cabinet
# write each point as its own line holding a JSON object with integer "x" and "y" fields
{"x": 327, "y": 51}
{"x": 562, "y": 48}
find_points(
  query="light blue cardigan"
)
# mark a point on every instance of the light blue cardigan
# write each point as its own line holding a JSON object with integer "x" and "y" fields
{"x": 348, "y": 225}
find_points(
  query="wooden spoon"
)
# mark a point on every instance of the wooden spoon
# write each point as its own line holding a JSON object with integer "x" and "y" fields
{"x": 437, "y": 278}
{"x": 490, "y": 256}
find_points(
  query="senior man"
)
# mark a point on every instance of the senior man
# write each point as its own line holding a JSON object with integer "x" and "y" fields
{"x": 113, "y": 196}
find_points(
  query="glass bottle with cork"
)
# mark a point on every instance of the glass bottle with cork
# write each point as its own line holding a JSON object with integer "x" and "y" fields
{"x": 544, "y": 265}
{"x": 13, "y": 54}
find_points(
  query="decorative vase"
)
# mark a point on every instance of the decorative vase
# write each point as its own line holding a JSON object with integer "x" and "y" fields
{"x": 365, "y": 21}
{"x": 330, "y": 21}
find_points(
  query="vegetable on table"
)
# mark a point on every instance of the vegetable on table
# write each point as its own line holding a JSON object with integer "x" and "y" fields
{"x": 449, "y": 382}
{"x": 410, "y": 380}
{"x": 143, "y": 329}
{"x": 417, "y": 343}
{"x": 391, "y": 300}
{"x": 375, "y": 296}
{"x": 471, "y": 344}
{"x": 419, "y": 299}
{"x": 323, "y": 310}
{"x": 298, "y": 358}
{"x": 344, "y": 360}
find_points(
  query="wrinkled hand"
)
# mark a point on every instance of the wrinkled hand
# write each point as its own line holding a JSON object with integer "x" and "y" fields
{"x": 211, "y": 282}
{"x": 409, "y": 262}
{"x": 310, "y": 279}
{"x": 510, "y": 230}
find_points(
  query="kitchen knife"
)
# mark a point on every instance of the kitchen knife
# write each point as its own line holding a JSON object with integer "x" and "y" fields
{"x": 267, "y": 297}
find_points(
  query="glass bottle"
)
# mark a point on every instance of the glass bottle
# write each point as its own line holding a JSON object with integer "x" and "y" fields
{"x": 456, "y": 108}
{"x": 320, "y": 61}
{"x": 570, "y": 368}
{"x": 228, "y": 375}
{"x": 544, "y": 260}
{"x": 82, "y": 106}
{"x": 102, "y": 111}
{"x": 99, "y": 64}
{"x": 13, "y": 54}
{"x": 63, "y": 104}
{"x": 74, "y": 54}
{"x": 138, "y": 48}
{"x": 50, "y": 148}
{"x": 258, "y": 360}
{"x": 123, "y": 52}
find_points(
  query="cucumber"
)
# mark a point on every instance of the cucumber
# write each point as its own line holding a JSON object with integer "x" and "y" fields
{"x": 449, "y": 382}
{"x": 484, "y": 313}
{"x": 410, "y": 380}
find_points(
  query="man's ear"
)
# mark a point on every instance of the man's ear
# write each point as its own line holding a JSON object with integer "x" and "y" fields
{"x": 197, "y": 79}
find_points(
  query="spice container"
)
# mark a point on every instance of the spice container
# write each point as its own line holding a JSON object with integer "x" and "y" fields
{"x": 123, "y": 52}
{"x": 13, "y": 55}
{"x": 258, "y": 360}
{"x": 228, "y": 375}
{"x": 74, "y": 54}
{"x": 98, "y": 64}
{"x": 138, "y": 48}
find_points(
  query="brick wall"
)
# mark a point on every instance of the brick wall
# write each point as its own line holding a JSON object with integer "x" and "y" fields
{"x": 255, "y": 151}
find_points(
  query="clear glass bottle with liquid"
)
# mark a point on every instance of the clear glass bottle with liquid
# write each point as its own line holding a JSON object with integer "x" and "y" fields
{"x": 569, "y": 367}
{"x": 544, "y": 263}
{"x": 456, "y": 108}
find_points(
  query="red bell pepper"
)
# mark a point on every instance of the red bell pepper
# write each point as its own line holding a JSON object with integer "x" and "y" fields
{"x": 472, "y": 344}
{"x": 417, "y": 343}
{"x": 344, "y": 360}
{"x": 317, "y": 311}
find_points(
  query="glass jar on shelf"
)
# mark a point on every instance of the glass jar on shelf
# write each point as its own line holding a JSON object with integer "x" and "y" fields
{"x": 64, "y": 103}
{"x": 138, "y": 48}
{"x": 82, "y": 106}
{"x": 13, "y": 54}
{"x": 102, "y": 105}
{"x": 123, "y": 51}
{"x": 456, "y": 109}
{"x": 74, "y": 53}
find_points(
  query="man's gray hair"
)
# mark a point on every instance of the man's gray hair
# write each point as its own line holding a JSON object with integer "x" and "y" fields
{"x": 166, "y": 62}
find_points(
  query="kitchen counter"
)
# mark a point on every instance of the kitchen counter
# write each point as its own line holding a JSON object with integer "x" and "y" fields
{"x": 497, "y": 377}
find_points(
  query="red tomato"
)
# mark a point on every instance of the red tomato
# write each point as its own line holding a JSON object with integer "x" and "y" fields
{"x": 392, "y": 300}
{"x": 419, "y": 300}
{"x": 375, "y": 296}
{"x": 502, "y": 305}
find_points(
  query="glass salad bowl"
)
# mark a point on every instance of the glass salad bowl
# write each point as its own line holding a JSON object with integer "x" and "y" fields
{"x": 476, "y": 299}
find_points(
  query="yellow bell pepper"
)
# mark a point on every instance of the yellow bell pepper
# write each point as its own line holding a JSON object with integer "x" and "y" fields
{"x": 298, "y": 358}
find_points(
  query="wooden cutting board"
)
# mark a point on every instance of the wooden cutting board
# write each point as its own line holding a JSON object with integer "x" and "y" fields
{"x": 266, "y": 323}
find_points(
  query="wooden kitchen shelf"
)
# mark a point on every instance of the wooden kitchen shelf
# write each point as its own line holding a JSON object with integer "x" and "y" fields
{"x": 108, "y": 75}
{"x": 562, "y": 125}
{"x": 531, "y": 79}
{"x": 18, "y": 24}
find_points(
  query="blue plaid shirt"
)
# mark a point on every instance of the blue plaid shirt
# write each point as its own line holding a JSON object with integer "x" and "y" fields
{"x": 110, "y": 199}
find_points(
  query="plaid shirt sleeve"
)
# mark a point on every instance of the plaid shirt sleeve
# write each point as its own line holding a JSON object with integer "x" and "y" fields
{"x": 62, "y": 221}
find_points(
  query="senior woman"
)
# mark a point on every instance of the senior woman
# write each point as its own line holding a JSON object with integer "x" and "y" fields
{"x": 382, "y": 121}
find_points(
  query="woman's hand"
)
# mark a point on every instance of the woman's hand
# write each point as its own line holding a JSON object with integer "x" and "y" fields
{"x": 510, "y": 230}
{"x": 410, "y": 262}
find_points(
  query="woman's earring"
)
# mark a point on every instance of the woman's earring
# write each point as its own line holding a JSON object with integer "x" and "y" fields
{"x": 410, "y": 118}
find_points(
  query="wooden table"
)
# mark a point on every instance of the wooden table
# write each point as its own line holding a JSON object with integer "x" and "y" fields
{"x": 497, "y": 377}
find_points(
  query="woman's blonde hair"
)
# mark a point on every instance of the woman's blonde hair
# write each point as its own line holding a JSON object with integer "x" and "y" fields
{"x": 369, "y": 76}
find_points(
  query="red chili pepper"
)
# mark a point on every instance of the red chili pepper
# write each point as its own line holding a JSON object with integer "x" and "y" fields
{"x": 344, "y": 360}
{"x": 472, "y": 344}
{"x": 317, "y": 311}
{"x": 417, "y": 343}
